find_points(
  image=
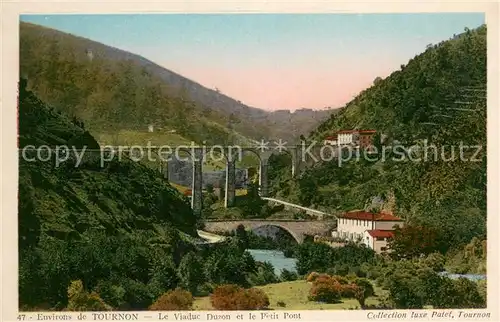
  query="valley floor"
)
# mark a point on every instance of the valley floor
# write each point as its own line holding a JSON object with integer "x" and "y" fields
{"x": 294, "y": 295}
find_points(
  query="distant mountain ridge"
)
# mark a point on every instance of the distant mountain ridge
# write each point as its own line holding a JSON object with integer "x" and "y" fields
{"x": 230, "y": 113}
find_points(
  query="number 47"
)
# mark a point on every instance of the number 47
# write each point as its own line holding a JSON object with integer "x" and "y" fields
{"x": 21, "y": 317}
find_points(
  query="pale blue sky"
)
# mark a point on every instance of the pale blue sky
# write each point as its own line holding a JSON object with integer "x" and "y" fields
{"x": 272, "y": 60}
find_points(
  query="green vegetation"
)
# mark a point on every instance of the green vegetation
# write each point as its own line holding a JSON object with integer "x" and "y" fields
{"x": 293, "y": 295}
{"x": 103, "y": 226}
{"x": 412, "y": 283}
{"x": 113, "y": 96}
{"x": 233, "y": 297}
{"x": 113, "y": 91}
{"x": 248, "y": 204}
{"x": 119, "y": 236}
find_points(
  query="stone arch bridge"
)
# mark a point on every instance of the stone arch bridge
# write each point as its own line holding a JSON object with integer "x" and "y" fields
{"x": 299, "y": 229}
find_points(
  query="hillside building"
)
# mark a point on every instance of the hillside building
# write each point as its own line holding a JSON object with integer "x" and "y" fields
{"x": 347, "y": 137}
{"x": 356, "y": 138}
{"x": 377, "y": 239}
{"x": 372, "y": 229}
{"x": 331, "y": 140}
{"x": 366, "y": 138}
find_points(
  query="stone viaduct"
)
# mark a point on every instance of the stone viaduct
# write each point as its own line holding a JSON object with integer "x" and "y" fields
{"x": 231, "y": 154}
{"x": 299, "y": 229}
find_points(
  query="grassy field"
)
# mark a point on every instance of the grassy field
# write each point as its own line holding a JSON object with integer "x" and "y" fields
{"x": 294, "y": 295}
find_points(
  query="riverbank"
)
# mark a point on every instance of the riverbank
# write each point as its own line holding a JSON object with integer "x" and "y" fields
{"x": 294, "y": 296}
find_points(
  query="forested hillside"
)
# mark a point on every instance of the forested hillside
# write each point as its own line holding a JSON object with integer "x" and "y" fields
{"x": 85, "y": 222}
{"x": 111, "y": 92}
{"x": 439, "y": 96}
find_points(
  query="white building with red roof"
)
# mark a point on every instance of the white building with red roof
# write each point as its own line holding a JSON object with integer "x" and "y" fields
{"x": 358, "y": 138}
{"x": 347, "y": 137}
{"x": 331, "y": 140}
{"x": 369, "y": 228}
{"x": 377, "y": 239}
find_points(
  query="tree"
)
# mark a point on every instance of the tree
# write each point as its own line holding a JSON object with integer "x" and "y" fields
{"x": 241, "y": 237}
{"x": 362, "y": 290}
{"x": 313, "y": 257}
{"x": 413, "y": 240}
{"x": 405, "y": 293}
{"x": 229, "y": 266}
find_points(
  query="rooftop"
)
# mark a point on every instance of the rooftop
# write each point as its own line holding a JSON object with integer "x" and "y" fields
{"x": 356, "y": 131}
{"x": 380, "y": 233}
{"x": 364, "y": 215}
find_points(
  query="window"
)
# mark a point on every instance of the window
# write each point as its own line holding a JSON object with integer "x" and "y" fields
{"x": 383, "y": 249}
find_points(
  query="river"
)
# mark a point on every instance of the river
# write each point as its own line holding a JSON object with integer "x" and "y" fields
{"x": 275, "y": 258}
{"x": 280, "y": 262}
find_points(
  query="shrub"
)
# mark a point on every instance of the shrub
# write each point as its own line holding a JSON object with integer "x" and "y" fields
{"x": 264, "y": 275}
{"x": 312, "y": 277}
{"x": 111, "y": 293}
{"x": 351, "y": 277}
{"x": 80, "y": 300}
{"x": 232, "y": 297}
{"x": 325, "y": 290}
{"x": 363, "y": 288}
{"x": 322, "y": 278}
{"x": 174, "y": 300}
{"x": 287, "y": 275}
{"x": 342, "y": 280}
{"x": 481, "y": 288}
{"x": 137, "y": 295}
{"x": 191, "y": 272}
{"x": 206, "y": 289}
{"x": 348, "y": 291}
{"x": 224, "y": 297}
{"x": 281, "y": 304}
{"x": 435, "y": 261}
{"x": 253, "y": 299}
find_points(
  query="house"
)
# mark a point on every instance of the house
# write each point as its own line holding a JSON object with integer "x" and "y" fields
{"x": 377, "y": 239}
{"x": 358, "y": 138}
{"x": 353, "y": 226}
{"x": 347, "y": 137}
{"x": 366, "y": 138}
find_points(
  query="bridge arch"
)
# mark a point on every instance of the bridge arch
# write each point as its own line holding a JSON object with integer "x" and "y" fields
{"x": 299, "y": 238}
{"x": 229, "y": 154}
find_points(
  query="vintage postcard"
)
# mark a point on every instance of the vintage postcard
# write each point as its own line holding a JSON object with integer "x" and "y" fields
{"x": 256, "y": 165}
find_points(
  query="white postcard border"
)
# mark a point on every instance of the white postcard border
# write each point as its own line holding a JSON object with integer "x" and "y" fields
{"x": 10, "y": 75}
